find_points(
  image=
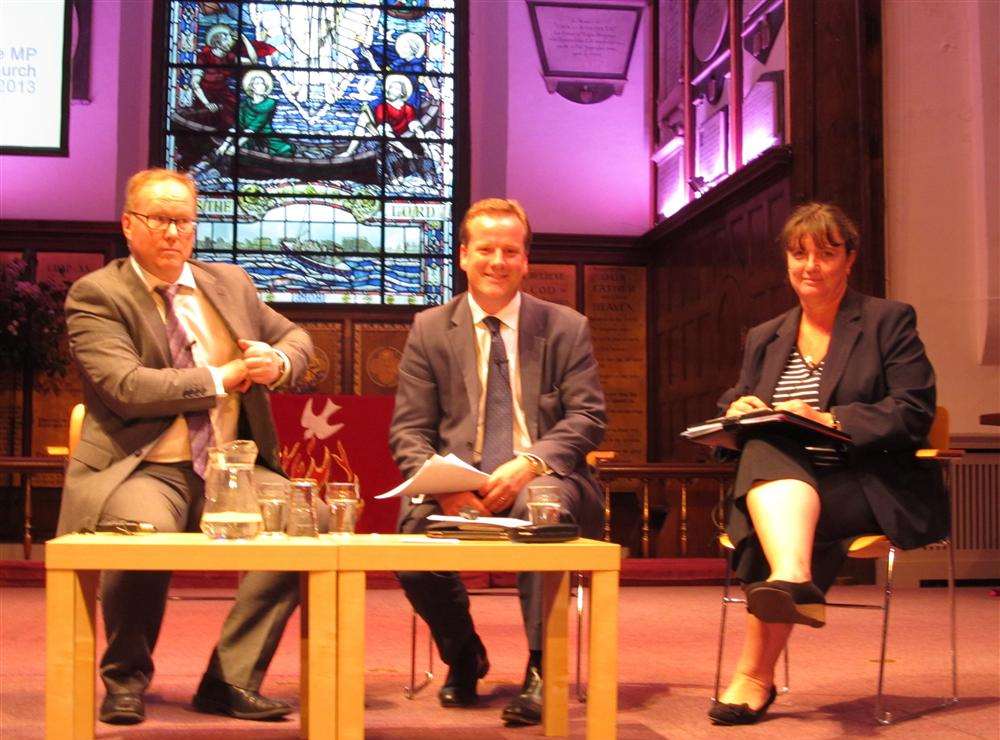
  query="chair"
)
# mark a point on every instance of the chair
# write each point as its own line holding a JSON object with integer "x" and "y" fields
{"x": 76, "y": 417}
{"x": 864, "y": 547}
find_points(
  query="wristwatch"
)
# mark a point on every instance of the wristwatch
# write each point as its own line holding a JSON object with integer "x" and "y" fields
{"x": 537, "y": 464}
{"x": 835, "y": 422}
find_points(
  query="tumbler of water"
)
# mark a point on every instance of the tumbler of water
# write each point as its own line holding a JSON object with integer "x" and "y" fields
{"x": 273, "y": 500}
{"x": 301, "y": 515}
{"x": 543, "y": 504}
{"x": 344, "y": 500}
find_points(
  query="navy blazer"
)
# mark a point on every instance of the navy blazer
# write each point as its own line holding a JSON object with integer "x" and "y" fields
{"x": 878, "y": 382}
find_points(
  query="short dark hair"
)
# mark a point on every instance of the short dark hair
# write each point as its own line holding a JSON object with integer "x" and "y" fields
{"x": 495, "y": 207}
{"x": 823, "y": 222}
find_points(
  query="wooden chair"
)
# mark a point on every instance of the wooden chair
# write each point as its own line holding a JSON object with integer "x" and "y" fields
{"x": 871, "y": 546}
{"x": 76, "y": 417}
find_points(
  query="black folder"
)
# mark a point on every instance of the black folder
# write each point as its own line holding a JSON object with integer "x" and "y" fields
{"x": 732, "y": 432}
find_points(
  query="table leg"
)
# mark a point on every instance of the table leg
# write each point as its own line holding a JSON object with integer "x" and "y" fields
{"x": 555, "y": 653}
{"x": 303, "y": 655}
{"x": 602, "y": 669}
{"x": 351, "y": 655}
{"x": 319, "y": 655}
{"x": 70, "y": 599}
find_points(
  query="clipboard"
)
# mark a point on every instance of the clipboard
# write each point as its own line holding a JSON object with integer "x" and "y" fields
{"x": 730, "y": 433}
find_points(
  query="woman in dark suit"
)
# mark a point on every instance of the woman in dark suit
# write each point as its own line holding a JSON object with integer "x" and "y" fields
{"x": 851, "y": 362}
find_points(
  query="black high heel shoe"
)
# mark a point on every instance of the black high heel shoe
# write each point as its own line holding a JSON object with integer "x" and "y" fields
{"x": 783, "y": 602}
{"x": 740, "y": 714}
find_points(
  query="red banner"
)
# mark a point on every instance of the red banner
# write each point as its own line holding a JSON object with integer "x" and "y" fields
{"x": 335, "y": 437}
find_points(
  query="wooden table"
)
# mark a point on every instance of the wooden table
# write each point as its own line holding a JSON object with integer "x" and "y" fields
{"x": 26, "y": 467}
{"x": 73, "y": 563}
{"x": 361, "y": 553}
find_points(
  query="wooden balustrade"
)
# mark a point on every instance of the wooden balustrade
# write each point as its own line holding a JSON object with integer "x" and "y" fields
{"x": 608, "y": 472}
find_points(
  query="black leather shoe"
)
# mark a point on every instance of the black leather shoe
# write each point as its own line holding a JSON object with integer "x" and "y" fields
{"x": 217, "y": 697}
{"x": 740, "y": 714}
{"x": 122, "y": 709}
{"x": 526, "y": 707}
{"x": 784, "y": 602}
{"x": 459, "y": 688}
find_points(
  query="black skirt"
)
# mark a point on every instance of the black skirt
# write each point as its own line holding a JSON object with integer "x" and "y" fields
{"x": 844, "y": 509}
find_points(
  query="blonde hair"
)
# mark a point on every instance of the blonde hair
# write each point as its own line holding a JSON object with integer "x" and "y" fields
{"x": 824, "y": 222}
{"x": 142, "y": 178}
{"x": 495, "y": 207}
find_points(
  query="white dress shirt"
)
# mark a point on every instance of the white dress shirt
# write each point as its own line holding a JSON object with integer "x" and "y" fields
{"x": 508, "y": 316}
{"x": 213, "y": 346}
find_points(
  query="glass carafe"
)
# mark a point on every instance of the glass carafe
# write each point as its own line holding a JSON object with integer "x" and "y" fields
{"x": 231, "y": 510}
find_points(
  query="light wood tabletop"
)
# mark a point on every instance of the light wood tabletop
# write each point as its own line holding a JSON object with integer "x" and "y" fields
{"x": 333, "y": 590}
{"x": 73, "y": 563}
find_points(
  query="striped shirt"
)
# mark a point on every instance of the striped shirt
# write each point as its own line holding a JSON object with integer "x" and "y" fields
{"x": 800, "y": 381}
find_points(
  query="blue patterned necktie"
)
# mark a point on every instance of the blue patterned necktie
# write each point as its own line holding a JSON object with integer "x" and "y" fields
{"x": 199, "y": 424}
{"x": 498, "y": 424}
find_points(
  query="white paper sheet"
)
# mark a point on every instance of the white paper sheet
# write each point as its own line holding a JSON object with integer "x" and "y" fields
{"x": 498, "y": 521}
{"x": 447, "y": 474}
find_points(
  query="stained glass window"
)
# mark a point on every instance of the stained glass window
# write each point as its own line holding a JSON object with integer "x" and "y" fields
{"x": 322, "y": 139}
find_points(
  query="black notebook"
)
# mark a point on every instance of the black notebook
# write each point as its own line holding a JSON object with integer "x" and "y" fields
{"x": 732, "y": 432}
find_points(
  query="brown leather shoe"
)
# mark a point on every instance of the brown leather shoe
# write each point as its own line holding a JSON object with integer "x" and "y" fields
{"x": 122, "y": 709}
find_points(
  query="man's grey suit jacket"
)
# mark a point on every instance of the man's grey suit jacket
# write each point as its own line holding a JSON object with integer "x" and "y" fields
{"x": 437, "y": 401}
{"x": 131, "y": 390}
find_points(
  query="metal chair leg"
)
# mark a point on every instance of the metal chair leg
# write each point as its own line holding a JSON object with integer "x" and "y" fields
{"x": 881, "y": 716}
{"x": 722, "y": 625}
{"x": 788, "y": 680}
{"x": 413, "y": 688}
{"x": 581, "y": 690}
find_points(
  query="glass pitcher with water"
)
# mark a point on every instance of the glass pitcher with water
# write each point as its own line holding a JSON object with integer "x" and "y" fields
{"x": 231, "y": 510}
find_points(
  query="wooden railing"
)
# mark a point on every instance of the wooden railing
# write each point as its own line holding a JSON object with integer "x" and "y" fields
{"x": 608, "y": 472}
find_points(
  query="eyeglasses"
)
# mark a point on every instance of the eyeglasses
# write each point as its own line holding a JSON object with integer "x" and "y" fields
{"x": 162, "y": 223}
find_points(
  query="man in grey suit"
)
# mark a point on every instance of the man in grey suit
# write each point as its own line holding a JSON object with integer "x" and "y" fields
{"x": 507, "y": 382}
{"x": 175, "y": 355}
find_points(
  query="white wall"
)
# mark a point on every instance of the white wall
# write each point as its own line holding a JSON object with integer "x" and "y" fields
{"x": 941, "y": 94}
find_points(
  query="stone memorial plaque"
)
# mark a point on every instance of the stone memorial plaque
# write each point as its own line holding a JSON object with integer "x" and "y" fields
{"x": 712, "y": 147}
{"x": 585, "y": 38}
{"x": 378, "y": 348}
{"x": 325, "y": 373}
{"x": 556, "y": 283}
{"x": 615, "y": 302}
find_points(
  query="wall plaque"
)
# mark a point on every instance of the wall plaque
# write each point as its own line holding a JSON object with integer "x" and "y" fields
{"x": 615, "y": 301}
{"x": 378, "y": 349}
{"x": 325, "y": 373}
{"x": 556, "y": 283}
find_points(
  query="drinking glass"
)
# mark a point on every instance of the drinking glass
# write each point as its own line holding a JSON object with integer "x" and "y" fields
{"x": 343, "y": 499}
{"x": 301, "y": 514}
{"x": 544, "y": 504}
{"x": 273, "y": 500}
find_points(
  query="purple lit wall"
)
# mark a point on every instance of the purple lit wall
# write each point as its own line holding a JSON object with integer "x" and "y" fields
{"x": 578, "y": 169}
{"x": 108, "y": 138}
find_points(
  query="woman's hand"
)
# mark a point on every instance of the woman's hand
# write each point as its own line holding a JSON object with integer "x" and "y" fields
{"x": 804, "y": 409}
{"x": 744, "y": 405}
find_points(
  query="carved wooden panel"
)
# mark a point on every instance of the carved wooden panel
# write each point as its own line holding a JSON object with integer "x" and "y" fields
{"x": 713, "y": 280}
